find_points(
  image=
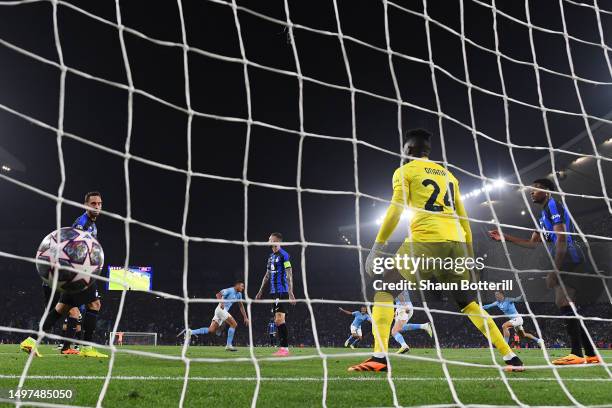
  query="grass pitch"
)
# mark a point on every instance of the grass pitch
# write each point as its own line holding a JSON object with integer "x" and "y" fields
{"x": 142, "y": 381}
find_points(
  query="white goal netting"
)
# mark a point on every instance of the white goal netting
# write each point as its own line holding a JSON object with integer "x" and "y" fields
{"x": 133, "y": 338}
{"x": 490, "y": 80}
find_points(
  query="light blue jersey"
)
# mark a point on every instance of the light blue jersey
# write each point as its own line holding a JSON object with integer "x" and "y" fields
{"x": 230, "y": 296}
{"x": 402, "y": 301}
{"x": 506, "y": 306}
{"x": 360, "y": 318}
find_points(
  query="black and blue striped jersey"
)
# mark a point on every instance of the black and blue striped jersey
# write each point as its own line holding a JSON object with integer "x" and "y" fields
{"x": 554, "y": 213}
{"x": 278, "y": 263}
{"x": 85, "y": 223}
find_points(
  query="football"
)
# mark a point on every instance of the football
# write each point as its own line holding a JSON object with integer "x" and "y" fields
{"x": 77, "y": 254}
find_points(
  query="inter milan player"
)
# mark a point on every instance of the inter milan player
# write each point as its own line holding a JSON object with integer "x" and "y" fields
{"x": 506, "y": 305}
{"x": 280, "y": 276}
{"x": 272, "y": 332}
{"x": 403, "y": 313}
{"x": 77, "y": 333}
{"x": 439, "y": 229}
{"x": 360, "y": 316}
{"x": 555, "y": 224}
{"x": 227, "y": 297}
{"x": 68, "y": 304}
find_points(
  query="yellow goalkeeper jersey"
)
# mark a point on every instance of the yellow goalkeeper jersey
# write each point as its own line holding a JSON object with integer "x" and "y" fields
{"x": 432, "y": 192}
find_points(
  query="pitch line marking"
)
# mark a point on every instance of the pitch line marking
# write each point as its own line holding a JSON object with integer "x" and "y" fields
{"x": 313, "y": 379}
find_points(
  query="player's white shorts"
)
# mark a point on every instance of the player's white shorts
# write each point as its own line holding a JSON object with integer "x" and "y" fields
{"x": 517, "y": 322}
{"x": 403, "y": 314}
{"x": 221, "y": 315}
{"x": 356, "y": 330}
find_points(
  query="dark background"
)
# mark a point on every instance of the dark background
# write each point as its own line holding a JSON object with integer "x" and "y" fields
{"x": 96, "y": 115}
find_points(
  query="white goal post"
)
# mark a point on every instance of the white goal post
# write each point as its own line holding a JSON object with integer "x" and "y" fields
{"x": 133, "y": 338}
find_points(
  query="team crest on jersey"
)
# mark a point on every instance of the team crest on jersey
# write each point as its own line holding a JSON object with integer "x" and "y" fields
{"x": 546, "y": 233}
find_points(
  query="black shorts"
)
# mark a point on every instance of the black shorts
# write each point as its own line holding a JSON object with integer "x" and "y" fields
{"x": 587, "y": 287}
{"x": 81, "y": 298}
{"x": 279, "y": 307}
{"x": 47, "y": 294}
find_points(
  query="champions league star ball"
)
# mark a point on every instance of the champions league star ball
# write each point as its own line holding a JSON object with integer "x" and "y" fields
{"x": 75, "y": 253}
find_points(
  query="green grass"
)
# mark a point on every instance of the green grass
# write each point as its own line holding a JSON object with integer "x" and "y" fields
{"x": 140, "y": 381}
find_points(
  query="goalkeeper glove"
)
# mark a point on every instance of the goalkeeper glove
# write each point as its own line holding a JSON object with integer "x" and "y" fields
{"x": 377, "y": 251}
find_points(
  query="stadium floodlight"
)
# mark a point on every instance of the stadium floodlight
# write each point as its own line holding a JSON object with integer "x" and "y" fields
{"x": 523, "y": 212}
{"x": 407, "y": 215}
{"x": 499, "y": 183}
{"x": 6, "y": 168}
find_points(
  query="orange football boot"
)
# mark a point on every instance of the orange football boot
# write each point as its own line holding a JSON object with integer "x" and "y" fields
{"x": 570, "y": 359}
{"x": 593, "y": 360}
{"x": 371, "y": 364}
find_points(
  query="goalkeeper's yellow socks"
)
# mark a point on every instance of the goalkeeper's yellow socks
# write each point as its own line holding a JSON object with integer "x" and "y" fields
{"x": 476, "y": 313}
{"x": 382, "y": 317}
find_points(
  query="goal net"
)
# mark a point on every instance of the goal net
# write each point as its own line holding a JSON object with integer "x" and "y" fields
{"x": 133, "y": 338}
{"x": 207, "y": 125}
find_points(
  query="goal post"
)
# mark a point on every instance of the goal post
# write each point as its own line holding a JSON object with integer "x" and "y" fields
{"x": 133, "y": 338}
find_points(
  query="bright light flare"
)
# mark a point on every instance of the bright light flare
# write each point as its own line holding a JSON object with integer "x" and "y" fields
{"x": 406, "y": 216}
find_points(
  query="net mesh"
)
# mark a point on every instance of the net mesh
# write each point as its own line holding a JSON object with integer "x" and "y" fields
{"x": 134, "y": 338}
{"x": 437, "y": 72}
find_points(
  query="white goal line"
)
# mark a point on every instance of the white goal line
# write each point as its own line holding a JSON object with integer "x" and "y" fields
{"x": 289, "y": 379}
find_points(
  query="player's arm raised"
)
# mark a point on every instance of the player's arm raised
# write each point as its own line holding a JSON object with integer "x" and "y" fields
{"x": 490, "y": 305}
{"x": 530, "y": 243}
{"x": 345, "y": 311}
{"x": 515, "y": 299}
{"x": 392, "y": 218}
{"x": 264, "y": 282}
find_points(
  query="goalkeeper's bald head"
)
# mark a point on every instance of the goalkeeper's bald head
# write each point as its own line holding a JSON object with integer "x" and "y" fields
{"x": 418, "y": 143}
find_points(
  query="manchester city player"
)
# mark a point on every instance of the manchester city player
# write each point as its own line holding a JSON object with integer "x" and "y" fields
{"x": 506, "y": 305}
{"x": 439, "y": 229}
{"x": 227, "y": 298}
{"x": 360, "y": 316}
{"x": 403, "y": 313}
{"x": 68, "y": 304}
{"x": 555, "y": 222}
{"x": 280, "y": 276}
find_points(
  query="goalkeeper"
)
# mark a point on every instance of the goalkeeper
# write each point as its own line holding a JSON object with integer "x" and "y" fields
{"x": 436, "y": 232}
